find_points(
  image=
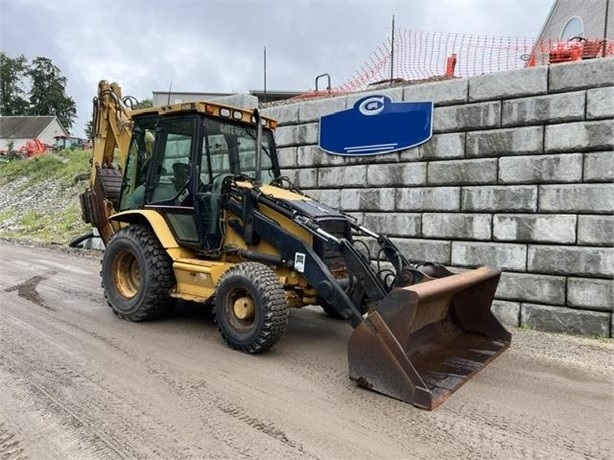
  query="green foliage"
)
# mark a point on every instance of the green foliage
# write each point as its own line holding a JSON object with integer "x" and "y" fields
{"x": 144, "y": 104}
{"x": 11, "y": 153}
{"x": 64, "y": 167}
{"x": 47, "y": 89}
{"x": 48, "y": 92}
{"x": 89, "y": 130}
{"x": 12, "y": 95}
{"x": 57, "y": 227}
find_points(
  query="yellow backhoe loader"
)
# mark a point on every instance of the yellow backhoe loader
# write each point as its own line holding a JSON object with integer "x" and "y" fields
{"x": 189, "y": 201}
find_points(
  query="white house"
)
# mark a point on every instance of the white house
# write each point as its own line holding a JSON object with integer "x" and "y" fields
{"x": 21, "y": 129}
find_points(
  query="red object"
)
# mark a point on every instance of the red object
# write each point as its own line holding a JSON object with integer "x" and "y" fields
{"x": 575, "y": 49}
{"x": 33, "y": 148}
{"x": 450, "y": 65}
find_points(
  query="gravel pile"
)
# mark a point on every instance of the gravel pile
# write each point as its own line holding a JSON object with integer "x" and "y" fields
{"x": 25, "y": 209}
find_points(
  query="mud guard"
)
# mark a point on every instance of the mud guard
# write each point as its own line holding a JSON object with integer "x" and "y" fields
{"x": 425, "y": 341}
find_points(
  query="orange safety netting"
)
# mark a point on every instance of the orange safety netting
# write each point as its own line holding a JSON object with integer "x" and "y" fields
{"x": 423, "y": 56}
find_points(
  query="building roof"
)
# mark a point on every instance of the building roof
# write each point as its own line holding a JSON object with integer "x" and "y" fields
{"x": 25, "y": 127}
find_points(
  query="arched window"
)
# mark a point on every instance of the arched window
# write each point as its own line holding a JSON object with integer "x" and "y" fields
{"x": 574, "y": 27}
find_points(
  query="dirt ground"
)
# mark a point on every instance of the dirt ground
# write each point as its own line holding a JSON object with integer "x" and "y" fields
{"x": 78, "y": 383}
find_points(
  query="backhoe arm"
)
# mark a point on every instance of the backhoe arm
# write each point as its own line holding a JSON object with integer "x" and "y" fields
{"x": 112, "y": 129}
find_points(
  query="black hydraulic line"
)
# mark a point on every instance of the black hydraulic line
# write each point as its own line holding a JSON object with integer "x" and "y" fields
{"x": 80, "y": 239}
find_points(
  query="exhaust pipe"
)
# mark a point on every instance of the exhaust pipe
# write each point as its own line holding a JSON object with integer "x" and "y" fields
{"x": 258, "y": 173}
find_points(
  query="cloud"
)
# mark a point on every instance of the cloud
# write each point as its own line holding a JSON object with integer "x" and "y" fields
{"x": 218, "y": 45}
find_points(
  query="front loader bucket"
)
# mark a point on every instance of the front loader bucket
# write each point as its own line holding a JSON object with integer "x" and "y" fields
{"x": 424, "y": 341}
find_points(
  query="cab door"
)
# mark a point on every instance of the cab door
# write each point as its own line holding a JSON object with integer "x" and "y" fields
{"x": 173, "y": 177}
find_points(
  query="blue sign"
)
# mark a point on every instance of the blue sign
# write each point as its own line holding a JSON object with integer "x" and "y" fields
{"x": 376, "y": 125}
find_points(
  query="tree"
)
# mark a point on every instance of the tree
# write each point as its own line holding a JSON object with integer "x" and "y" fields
{"x": 12, "y": 95}
{"x": 89, "y": 130}
{"x": 48, "y": 92}
{"x": 145, "y": 103}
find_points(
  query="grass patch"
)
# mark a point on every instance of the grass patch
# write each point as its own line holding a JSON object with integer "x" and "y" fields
{"x": 6, "y": 215}
{"x": 63, "y": 167}
{"x": 53, "y": 227}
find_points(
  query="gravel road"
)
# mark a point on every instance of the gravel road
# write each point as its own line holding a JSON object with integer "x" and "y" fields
{"x": 78, "y": 383}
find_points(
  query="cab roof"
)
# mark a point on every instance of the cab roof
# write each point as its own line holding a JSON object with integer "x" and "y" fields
{"x": 206, "y": 108}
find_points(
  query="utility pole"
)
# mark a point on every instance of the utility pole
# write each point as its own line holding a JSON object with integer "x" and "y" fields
{"x": 605, "y": 27}
{"x": 265, "y": 74}
{"x": 392, "y": 53}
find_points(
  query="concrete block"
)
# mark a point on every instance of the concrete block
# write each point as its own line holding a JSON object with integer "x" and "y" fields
{"x": 541, "y": 169}
{"x": 441, "y": 93}
{"x": 590, "y": 293}
{"x": 457, "y": 226}
{"x": 529, "y": 287}
{"x": 580, "y": 137}
{"x": 521, "y": 198}
{"x": 311, "y": 156}
{"x": 303, "y": 178}
{"x": 409, "y": 155}
{"x": 578, "y": 261}
{"x": 581, "y": 75}
{"x": 598, "y": 167}
{"x": 241, "y": 101}
{"x": 498, "y": 142}
{"x": 596, "y": 230}
{"x": 513, "y": 83}
{"x": 330, "y": 197}
{"x": 599, "y": 102}
{"x": 428, "y": 199}
{"x": 395, "y": 224}
{"x": 346, "y": 176}
{"x": 467, "y": 117}
{"x": 424, "y": 250}
{"x": 508, "y": 313}
{"x": 577, "y": 198}
{"x": 565, "y": 320}
{"x": 443, "y": 146}
{"x": 291, "y": 135}
{"x": 554, "y": 108}
{"x": 381, "y": 199}
{"x": 402, "y": 174}
{"x": 462, "y": 172}
{"x": 535, "y": 228}
{"x": 313, "y": 110}
{"x": 283, "y": 113}
{"x": 391, "y": 157}
{"x": 504, "y": 256}
{"x": 395, "y": 94}
{"x": 287, "y": 157}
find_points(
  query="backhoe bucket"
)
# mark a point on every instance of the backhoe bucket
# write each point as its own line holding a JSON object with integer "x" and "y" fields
{"x": 424, "y": 341}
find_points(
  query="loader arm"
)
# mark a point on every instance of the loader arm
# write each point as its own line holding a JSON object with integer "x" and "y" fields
{"x": 112, "y": 129}
{"x": 427, "y": 331}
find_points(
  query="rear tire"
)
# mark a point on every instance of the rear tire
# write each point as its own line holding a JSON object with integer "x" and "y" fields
{"x": 250, "y": 307}
{"x": 137, "y": 275}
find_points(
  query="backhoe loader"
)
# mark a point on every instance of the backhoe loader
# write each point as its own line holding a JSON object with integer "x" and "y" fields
{"x": 190, "y": 203}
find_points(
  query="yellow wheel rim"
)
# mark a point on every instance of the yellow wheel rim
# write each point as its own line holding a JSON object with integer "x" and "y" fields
{"x": 126, "y": 274}
{"x": 244, "y": 308}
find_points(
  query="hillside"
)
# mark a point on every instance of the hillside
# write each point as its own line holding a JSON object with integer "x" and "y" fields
{"x": 39, "y": 197}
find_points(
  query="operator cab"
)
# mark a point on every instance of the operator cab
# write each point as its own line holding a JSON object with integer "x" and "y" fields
{"x": 177, "y": 165}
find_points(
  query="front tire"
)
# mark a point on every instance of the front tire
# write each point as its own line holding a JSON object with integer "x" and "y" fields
{"x": 250, "y": 307}
{"x": 137, "y": 274}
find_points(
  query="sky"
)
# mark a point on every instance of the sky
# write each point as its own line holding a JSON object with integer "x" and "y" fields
{"x": 218, "y": 46}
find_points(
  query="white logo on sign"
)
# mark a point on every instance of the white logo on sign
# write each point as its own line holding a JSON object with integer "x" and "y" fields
{"x": 372, "y": 105}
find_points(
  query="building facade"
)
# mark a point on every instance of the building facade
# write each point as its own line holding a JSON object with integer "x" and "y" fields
{"x": 590, "y": 19}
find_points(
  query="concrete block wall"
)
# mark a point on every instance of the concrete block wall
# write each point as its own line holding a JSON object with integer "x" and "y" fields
{"x": 519, "y": 174}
